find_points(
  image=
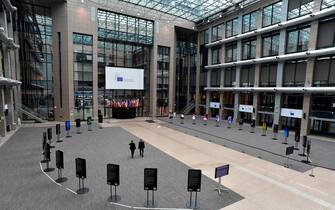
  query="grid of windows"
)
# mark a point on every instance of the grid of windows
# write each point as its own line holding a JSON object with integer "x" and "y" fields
{"x": 114, "y": 26}
{"x": 83, "y": 75}
{"x": 268, "y": 75}
{"x": 297, "y": 8}
{"x": 327, "y": 4}
{"x": 231, "y": 52}
{"x": 230, "y": 77}
{"x": 272, "y": 14}
{"x": 298, "y": 38}
{"x": 232, "y": 27}
{"x": 163, "y": 66}
{"x": 326, "y": 34}
{"x": 270, "y": 44}
{"x": 294, "y": 73}
{"x": 249, "y": 22}
{"x": 217, "y": 32}
{"x": 249, "y": 49}
{"x": 324, "y": 72}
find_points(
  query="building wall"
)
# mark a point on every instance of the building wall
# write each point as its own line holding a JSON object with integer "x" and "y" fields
{"x": 8, "y": 92}
{"x": 74, "y": 16}
{"x": 281, "y": 75}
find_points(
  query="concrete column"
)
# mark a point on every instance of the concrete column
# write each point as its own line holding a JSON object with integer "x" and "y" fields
{"x": 276, "y": 113}
{"x": 221, "y": 93}
{"x": 280, "y": 68}
{"x": 172, "y": 75}
{"x": 153, "y": 81}
{"x": 197, "y": 80}
{"x": 3, "y": 131}
{"x": 208, "y": 94}
{"x": 237, "y": 79}
{"x": 95, "y": 77}
{"x": 237, "y": 95}
{"x": 305, "y": 121}
{"x": 255, "y": 94}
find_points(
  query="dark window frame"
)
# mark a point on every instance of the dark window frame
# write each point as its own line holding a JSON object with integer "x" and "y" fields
{"x": 298, "y": 28}
{"x": 271, "y": 17}
{"x": 249, "y": 22}
{"x": 272, "y": 35}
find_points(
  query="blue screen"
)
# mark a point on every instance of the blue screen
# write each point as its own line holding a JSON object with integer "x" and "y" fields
{"x": 67, "y": 125}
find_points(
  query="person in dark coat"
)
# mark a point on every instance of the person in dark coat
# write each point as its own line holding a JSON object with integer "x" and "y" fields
{"x": 132, "y": 148}
{"x": 141, "y": 147}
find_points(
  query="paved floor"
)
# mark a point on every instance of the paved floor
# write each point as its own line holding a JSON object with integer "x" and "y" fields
{"x": 322, "y": 152}
{"x": 264, "y": 185}
{"x": 25, "y": 186}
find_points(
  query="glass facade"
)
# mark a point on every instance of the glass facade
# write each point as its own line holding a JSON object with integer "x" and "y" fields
{"x": 163, "y": 67}
{"x": 270, "y": 44}
{"x": 232, "y": 27}
{"x": 83, "y": 75}
{"x": 34, "y": 27}
{"x": 327, "y": 4}
{"x": 297, "y": 8}
{"x": 272, "y": 14}
{"x": 298, "y": 39}
{"x": 125, "y": 28}
{"x": 249, "y": 22}
{"x": 123, "y": 41}
{"x": 249, "y": 49}
{"x": 186, "y": 61}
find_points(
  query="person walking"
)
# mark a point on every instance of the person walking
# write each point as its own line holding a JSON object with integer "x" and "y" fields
{"x": 132, "y": 148}
{"x": 141, "y": 147}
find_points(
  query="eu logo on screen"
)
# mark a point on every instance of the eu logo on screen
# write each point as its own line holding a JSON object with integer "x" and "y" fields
{"x": 119, "y": 79}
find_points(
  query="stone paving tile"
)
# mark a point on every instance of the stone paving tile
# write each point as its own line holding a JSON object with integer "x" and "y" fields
{"x": 24, "y": 186}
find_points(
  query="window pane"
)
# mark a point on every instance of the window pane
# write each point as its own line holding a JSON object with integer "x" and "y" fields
{"x": 229, "y": 28}
{"x": 326, "y": 34}
{"x": 292, "y": 40}
{"x": 303, "y": 39}
{"x": 276, "y": 16}
{"x": 300, "y": 74}
{"x": 267, "y": 46}
{"x": 235, "y": 26}
{"x": 267, "y": 16}
{"x": 321, "y": 72}
{"x": 245, "y": 23}
{"x": 253, "y": 21}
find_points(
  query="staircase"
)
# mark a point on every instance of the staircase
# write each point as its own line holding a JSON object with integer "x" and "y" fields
{"x": 188, "y": 108}
{"x": 24, "y": 110}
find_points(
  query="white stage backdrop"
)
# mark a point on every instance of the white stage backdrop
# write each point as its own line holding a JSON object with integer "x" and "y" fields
{"x": 124, "y": 78}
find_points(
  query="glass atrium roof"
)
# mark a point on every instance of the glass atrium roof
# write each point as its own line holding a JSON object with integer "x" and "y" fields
{"x": 193, "y": 10}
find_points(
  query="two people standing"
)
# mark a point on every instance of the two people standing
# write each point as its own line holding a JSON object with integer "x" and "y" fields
{"x": 132, "y": 147}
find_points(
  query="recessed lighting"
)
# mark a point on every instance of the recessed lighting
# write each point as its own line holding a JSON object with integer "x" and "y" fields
{"x": 121, "y": 10}
{"x": 82, "y": 1}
